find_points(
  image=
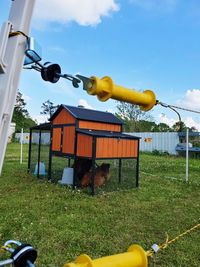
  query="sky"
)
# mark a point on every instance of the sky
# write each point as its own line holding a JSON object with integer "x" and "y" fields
{"x": 141, "y": 44}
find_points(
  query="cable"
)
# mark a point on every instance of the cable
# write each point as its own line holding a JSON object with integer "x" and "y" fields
{"x": 173, "y": 109}
{"x": 186, "y": 109}
{"x": 172, "y": 106}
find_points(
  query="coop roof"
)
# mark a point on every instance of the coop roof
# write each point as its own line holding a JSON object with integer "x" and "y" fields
{"x": 88, "y": 114}
{"x": 43, "y": 126}
{"x": 107, "y": 134}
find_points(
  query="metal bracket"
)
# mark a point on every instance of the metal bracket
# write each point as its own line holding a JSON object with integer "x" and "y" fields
{"x": 87, "y": 82}
{"x": 75, "y": 81}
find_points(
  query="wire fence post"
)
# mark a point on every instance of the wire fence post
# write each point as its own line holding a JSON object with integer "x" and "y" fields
{"x": 21, "y": 145}
{"x": 187, "y": 154}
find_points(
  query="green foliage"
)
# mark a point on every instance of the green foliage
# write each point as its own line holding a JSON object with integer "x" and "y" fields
{"x": 156, "y": 152}
{"x": 147, "y": 126}
{"x": 163, "y": 127}
{"x": 136, "y": 120}
{"x": 196, "y": 143}
{"x": 62, "y": 223}
{"x": 22, "y": 122}
{"x": 131, "y": 116}
{"x": 21, "y": 116}
{"x": 195, "y": 140}
{"x": 179, "y": 126}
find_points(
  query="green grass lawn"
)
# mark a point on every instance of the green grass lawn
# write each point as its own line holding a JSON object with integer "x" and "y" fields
{"x": 62, "y": 223}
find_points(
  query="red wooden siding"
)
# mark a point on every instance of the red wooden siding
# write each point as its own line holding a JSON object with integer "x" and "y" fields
{"x": 63, "y": 117}
{"x": 91, "y": 125}
{"x": 116, "y": 148}
{"x": 84, "y": 145}
{"x": 68, "y": 139}
{"x": 56, "y": 139}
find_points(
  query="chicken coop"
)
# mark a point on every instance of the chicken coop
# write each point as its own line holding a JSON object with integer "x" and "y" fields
{"x": 86, "y": 136}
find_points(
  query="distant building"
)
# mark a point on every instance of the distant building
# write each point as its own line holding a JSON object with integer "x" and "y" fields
{"x": 173, "y": 143}
{"x": 11, "y": 131}
{"x": 161, "y": 141}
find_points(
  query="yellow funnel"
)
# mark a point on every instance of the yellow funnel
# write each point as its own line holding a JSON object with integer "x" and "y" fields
{"x": 104, "y": 88}
{"x": 135, "y": 257}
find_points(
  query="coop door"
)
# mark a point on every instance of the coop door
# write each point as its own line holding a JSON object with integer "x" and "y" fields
{"x": 68, "y": 139}
{"x": 56, "y": 139}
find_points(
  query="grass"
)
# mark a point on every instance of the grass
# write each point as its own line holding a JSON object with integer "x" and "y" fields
{"x": 62, "y": 223}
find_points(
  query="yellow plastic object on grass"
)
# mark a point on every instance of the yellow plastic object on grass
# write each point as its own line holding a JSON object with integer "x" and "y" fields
{"x": 104, "y": 88}
{"x": 135, "y": 257}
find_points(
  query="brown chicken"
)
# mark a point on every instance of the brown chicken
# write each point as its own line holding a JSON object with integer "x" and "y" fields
{"x": 101, "y": 175}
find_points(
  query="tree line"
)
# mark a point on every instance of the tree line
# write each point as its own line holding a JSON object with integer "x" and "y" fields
{"x": 134, "y": 119}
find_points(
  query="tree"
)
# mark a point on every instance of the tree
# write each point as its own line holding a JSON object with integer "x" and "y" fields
{"x": 179, "y": 126}
{"x": 48, "y": 108}
{"x": 21, "y": 116}
{"x": 131, "y": 115}
{"x": 163, "y": 127}
{"x": 193, "y": 129}
{"x": 20, "y": 105}
{"x": 147, "y": 126}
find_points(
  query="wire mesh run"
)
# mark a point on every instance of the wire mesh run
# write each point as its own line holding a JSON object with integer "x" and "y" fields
{"x": 39, "y": 149}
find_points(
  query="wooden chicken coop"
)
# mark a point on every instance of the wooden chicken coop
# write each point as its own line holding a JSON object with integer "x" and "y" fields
{"x": 78, "y": 132}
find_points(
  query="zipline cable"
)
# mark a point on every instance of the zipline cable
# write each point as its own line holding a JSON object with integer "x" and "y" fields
{"x": 173, "y": 109}
{"x": 177, "y": 107}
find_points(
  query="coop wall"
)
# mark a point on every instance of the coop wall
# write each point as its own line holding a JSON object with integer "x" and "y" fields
{"x": 116, "y": 148}
{"x": 63, "y": 117}
{"x": 68, "y": 139}
{"x": 63, "y": 133}
{"x": 102, "y": 126}
{"x": 107, "y": 147}
{"x": 84, "y": 145}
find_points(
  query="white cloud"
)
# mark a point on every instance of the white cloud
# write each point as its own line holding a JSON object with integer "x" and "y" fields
{"x": 84, "y": 103}
{"x": 40, "y": 118}
{"x": 190, "y": 100}
{"x": 164, "y": 5}
{"x": 189, "y": 121}
{"x": 84, "y": 12}
{"x": 26, "y": 97}
{"x": 164, "y": 119}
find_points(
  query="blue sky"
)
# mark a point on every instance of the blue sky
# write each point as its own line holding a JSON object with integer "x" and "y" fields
{"x": 141, "y": 44}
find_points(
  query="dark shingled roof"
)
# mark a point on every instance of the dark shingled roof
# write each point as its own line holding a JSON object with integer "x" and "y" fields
{"x": 107, "y": 134}
{"x": 89, "y": 114}
{"x": 42, "y": 126}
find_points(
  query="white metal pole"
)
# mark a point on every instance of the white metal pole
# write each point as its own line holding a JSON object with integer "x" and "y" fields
{"x": 11, "y": 63}
{"x": 21, "y": 145}
{"x": 187, "y": 154}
